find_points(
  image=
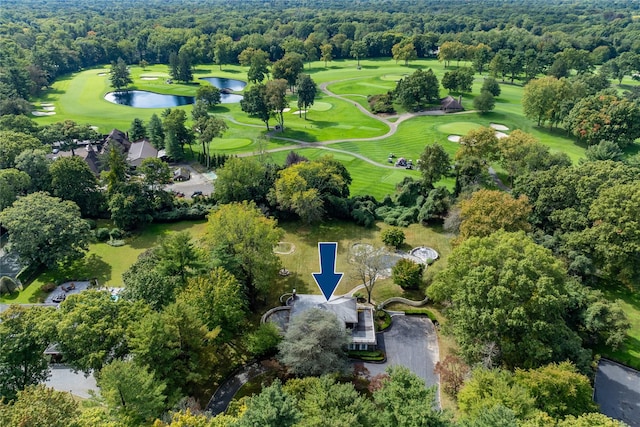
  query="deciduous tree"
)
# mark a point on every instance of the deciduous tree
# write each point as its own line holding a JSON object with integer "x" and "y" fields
{"x": 131, "y": 392}
{"x": 242, "y": 239}
{"x": 39, "y": 406}
{"x": 488, "y": 211}
{"x": 45, "y": 230}
{"x": 434, "y": 164}
{"x": 306, "y": 93}
{"x": 510, "y": 293}
{"x": 403, "y": 400}
{"x": 13, "y": 183}
{"x": 25, "y": 333}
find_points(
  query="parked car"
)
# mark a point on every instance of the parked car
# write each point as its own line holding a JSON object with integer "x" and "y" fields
{"x": 59, "y": 297}
{"x": 196, "y": 194}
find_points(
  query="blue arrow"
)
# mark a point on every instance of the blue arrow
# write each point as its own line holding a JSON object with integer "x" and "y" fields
{"x": 327, "y": 279}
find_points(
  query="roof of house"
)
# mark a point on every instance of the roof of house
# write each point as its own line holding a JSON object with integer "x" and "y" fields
{"x": 119, "y": 139}
{"x": 345, "y": 308}
{"x": 86, "y": 153}
{"x": 450, "y": 103}
{"x": 141, "y": 150}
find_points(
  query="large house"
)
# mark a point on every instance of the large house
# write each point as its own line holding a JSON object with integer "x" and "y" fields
{"x": 89, "y": 151}
{"x": 357, "y": 318}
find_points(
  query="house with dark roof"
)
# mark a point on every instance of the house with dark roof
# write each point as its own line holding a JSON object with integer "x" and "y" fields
{"x": 140, "y": 150}
{"x": 86, "y": 152}
{"x": 118, "y": 139}
{"x": 450, "y": 105}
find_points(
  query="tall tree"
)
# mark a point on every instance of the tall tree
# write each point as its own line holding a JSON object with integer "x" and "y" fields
{"x": 177, "y": 135}
{"x": 307, "y": 90}
{"x": 145, "y": 281}
{"x": 208, "y": 128}
{"x": 418, "y": 90}
{"x": 223, "y": 51}
{"x": 359, "y": 50}
{"x": 13, "y": 143}
{"x": 119, "y": 75}
{"x": 481, "y": 143}
{"x": 403, "y": 400}
{"x": 178, "y": 256}
{"x": 276, "y": 99}
{"x": 155, "y": 173}
{"x": 72, "y": 179}
{"x": 255, "y": 104}
{"x": 25, "y": 333}
{"x": 219, "y": 300}
{"x": 180, "y": 66}
{"x": 271, "y": 408}
{"x": 258, "y": 62}
{"x": 178, "y": 348}
{"x": 288, "y": 69}
{"x": 13, "y": 183}
{"x": 155, "y": 132}
{"x": 368, "y": 263}
{"x": 326, "y": 53}
{"x": 137, "y": 131}
{"x": 91, "y": 329}
{"x": 131, "y": 392}
{"x": 34, "y": 163}
{"x": 209, "y": 94}
{"x": 241, "y": 178}
{"x": 45, "y": 230}
{"x": 243, "y": 240}
{"x": 488, "y": 211}
{"x": 39, "y": 406}
{"x": 434, "y": 164}
{"x": 404, "y": 51}
{"x": 504, "y": 290}
{"x": 315, "y": 344}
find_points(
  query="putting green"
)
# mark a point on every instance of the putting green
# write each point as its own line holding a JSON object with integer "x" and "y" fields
{"x": 392, "y": 77}
{"x": 458, "y": 128}
{"x": 231, "y": 144}
{"x": 321, "y": 106}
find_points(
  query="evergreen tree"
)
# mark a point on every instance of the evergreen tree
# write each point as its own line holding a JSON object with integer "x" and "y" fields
{"x": 155, "y": 132}
{"x": 137, "y": 131}
{"x": 119, "y": 75}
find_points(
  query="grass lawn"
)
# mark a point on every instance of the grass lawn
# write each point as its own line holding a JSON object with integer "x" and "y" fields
{"x": 304, "y": 259}
{"x": 105, "y": 262}
{"x": 629, "y": 352}
{"x": 367, "y": 178}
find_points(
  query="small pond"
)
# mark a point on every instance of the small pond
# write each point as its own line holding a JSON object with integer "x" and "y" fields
{"x": 222, "y": 83}
{"x": 145, "y": 99}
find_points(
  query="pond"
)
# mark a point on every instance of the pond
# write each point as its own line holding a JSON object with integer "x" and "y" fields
{"x": 145, "y": 99}
{"x": 222, "y": 83}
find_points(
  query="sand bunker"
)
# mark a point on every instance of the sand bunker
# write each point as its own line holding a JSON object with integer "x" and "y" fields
{"x": 501, "y": 135}
{"x": 102, "y": 74}
{"x": 47, "y": 104}
{"x": 148, "y": 78}
{"x": 286, "y": 110}
{"x": 454, "y": 138}
{"x": 299, "y": 112}
{"x": 94, "y": 127}
{"x": 43, "y": 113}
{"x": 498, "y": 126}
{"x": 48, "y": 108}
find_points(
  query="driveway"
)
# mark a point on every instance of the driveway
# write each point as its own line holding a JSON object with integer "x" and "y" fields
{"x": 197, "y": 182}
{"x": 63, "y": 378}
{"x": 617, "y": 391}
{"x": 411, "y": 341}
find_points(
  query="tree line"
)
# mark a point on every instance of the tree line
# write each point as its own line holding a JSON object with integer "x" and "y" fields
{"x": 514, "y": 39}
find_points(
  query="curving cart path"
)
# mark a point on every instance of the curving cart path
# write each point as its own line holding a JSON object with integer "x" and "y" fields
{"x": 297, "y": 143}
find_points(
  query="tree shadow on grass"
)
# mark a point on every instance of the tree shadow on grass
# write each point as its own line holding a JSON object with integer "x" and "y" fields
{"x": 89, "y": 267}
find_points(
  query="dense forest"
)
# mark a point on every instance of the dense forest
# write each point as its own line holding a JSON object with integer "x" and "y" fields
{"x": 42, "y": 40}
{"x": 527, "y": 294}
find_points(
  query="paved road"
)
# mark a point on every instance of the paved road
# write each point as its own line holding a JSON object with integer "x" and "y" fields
{"x": 617, "y": 391}
{"x": 224, "y": 394}
{"x": 411, "y": 341}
